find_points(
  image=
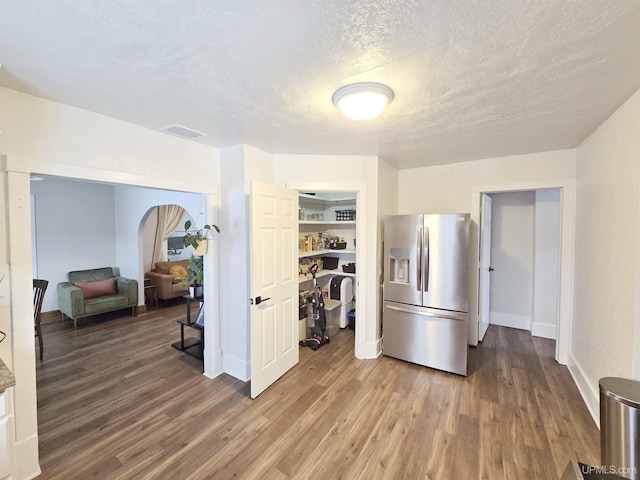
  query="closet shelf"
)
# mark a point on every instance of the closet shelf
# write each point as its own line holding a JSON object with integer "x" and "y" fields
{"x": 324, "y": 273}
{"x": 327, "y": 222}
{"x": 317, "y": 253}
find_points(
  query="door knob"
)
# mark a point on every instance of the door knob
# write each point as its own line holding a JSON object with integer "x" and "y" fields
{"x": 491, "y": 269}
{"x": 259, "y": 300}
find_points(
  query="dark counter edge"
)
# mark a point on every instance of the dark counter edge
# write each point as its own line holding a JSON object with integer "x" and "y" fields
{"x": 7, "y": 379}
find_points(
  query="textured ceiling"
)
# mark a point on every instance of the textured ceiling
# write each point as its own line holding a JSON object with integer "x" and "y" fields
{"x": 472, "y": 78}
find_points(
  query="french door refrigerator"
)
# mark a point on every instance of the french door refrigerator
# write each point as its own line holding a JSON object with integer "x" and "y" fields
{"x": 426, "y": 290}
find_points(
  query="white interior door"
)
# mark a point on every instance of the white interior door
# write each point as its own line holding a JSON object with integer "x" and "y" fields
{"x": 274, "y": 284}
{"x": 484, "y": 265}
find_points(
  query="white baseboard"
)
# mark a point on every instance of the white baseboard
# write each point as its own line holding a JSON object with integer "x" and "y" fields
{"x": 544, "y": 330}
{"x": 27, "y": 464}
{"x": 523, "y": 322}
{"x": 236, "y": 367}
{"x": 213, "y": 369}
{"x": 590, "y": 395}
{"x": 374, "y": 349}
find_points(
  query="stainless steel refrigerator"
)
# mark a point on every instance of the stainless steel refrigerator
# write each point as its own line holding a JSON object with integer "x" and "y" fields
{"x": 426, "y": 290}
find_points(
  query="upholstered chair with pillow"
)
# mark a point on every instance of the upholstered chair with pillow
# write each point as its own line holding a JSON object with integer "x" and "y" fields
{"x": 167, "y": 277}
{"x": 89, "y": 292}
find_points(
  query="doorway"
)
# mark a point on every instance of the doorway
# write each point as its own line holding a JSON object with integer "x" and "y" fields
{"x": 524, "y": 252}
{"x": 365, "y": 317}
{"x": 327, "y": 238}
{"x": 566, "y": 188}
{"x": 106, "y": 228}
{"x": 271, "y": 212}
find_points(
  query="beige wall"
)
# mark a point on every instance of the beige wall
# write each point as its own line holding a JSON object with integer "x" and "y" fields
{"x": 387, "y": 205}
{"x": 448, "y": 188}
{"x": 456, "y": 188}
{"x": 606, "y": 325}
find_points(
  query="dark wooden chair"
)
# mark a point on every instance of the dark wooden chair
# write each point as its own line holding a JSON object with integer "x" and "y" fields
{"x": 39, "y": 288}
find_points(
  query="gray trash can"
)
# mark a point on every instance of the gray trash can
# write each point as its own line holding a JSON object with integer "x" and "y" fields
{"x": 620, "y": 426}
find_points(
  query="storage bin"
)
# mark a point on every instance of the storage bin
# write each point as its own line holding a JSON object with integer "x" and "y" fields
{"x": 302, "y": 329}
{"x": 332, "y": 315}
{"x": 345, "y": 215}
{"x": 351, "y": 316}
{"x": 349, "y": 268}
{"x": 330, "y": 263}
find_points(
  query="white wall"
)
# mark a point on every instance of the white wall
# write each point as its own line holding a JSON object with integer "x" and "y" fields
{"x": 75, "y": 227}
{"x": 606, "y": 332}
{"x": 240, "y": 166}
{"x": 546, "y": 268}
{"x": 512, "y": 247}
{"x": 40, "y": 136}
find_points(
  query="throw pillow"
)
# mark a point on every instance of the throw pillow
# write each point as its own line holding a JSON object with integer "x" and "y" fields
{"x": 178, "y": 272}
{"x": 99, "y": 288}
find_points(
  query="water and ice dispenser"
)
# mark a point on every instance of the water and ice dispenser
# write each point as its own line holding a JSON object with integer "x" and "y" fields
{"x": 399, "y": 265}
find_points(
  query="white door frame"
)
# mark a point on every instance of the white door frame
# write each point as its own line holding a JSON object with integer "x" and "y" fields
{"x": 567, "y": 245}
{"x": 365, "y": 346}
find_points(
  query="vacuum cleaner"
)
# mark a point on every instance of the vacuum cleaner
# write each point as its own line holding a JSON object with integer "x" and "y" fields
{"x": 317, "y": 336}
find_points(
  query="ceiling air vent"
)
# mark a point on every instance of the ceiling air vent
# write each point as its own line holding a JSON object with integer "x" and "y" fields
{"x": 182, "y": 132}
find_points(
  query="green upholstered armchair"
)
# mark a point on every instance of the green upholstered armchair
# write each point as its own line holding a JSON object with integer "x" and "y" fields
{"x": 89, "y": 292}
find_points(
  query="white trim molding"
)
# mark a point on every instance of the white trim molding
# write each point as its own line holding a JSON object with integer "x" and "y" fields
{"x": 590, "y": 396}
{"x": 511, "y": 320}
{"x": 544, "y": 330}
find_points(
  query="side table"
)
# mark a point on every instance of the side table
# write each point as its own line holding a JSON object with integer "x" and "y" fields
{"x": 191, "y": 346}
{"x": 151, "y": 295}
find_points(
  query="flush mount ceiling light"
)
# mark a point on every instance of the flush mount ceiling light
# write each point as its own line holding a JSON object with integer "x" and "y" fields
{"x": 362, "y": 101}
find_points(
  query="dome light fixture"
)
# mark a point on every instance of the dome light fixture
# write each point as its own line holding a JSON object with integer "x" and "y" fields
{"x": 362, "y": 101}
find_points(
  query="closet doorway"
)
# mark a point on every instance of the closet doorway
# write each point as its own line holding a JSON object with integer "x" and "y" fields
{"x": 567, "y": 190}
{"x": 524, "y": 253}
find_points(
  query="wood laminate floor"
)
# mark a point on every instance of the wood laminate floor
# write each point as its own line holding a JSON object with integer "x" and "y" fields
{"x": 116, "y": 401}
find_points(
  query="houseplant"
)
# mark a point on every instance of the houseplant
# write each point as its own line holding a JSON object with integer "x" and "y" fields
{"x": 197, "y": 237}
{"x": 195, "y": 276}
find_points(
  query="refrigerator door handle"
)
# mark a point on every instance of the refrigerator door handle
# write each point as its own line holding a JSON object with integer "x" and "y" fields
{"x": 426, "y": 260}
{"x": 425, "y": 313}
{"x": 419, "y": 262}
